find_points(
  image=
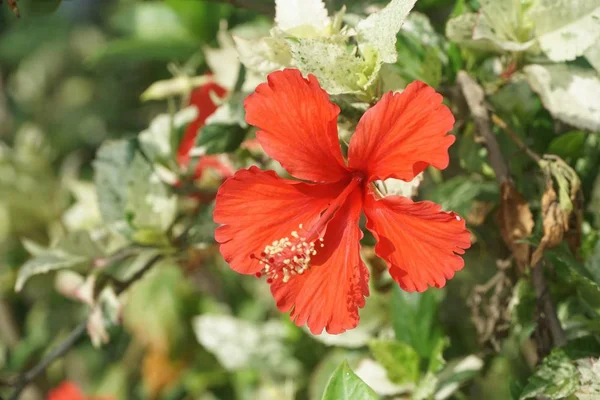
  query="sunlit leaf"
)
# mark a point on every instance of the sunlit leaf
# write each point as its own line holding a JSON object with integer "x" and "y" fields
{"x": 414, "y": 318}
{"x": 345, "y": 385}
{"x": 110, "y": 167}
{"x": 379, "y": 30}
{"x": 338, "y": 69}
{"x": 570, "y": 93}
{"x": 149, "y": 205}
{"x": 399, "y": 359}
{"x": 299, "y": 16}
{"x": 566, "y": 28}
{"x": 555, "y": 378}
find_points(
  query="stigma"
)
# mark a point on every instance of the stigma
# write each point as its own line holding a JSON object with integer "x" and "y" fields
{"x": 288, "y": 256}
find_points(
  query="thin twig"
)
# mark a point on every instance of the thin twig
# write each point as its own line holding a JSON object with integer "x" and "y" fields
{"x": 515, "y": 138}
{"x": 547, "y": 312}
{"x": 475, "y": 98}
{"x": 23, "y": 380}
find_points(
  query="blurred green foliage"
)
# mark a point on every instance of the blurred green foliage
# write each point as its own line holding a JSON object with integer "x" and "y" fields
{"x": 92, "y": 190}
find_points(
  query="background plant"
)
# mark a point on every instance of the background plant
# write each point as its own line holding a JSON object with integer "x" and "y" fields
{"x": 107, "y": 235}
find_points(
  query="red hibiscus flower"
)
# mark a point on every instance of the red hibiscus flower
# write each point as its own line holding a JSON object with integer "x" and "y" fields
{"x": 70, "y": 391}
{"x": 305, "y": 236}
{"x": 201, "y": 99}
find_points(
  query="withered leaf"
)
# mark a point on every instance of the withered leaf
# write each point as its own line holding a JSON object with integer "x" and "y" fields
{"x": 516, "y": 222}
{"x": 555, "y": 220}
{"x": 562, "y": 214}
{"x": 12, "y": 4}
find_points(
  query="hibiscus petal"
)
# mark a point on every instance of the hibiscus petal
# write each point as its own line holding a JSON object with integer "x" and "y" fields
{"x": 419, "y": 242}
{"x": 298, "y": 126}
{"x": 201, "y": 99}
{"x": 329, "y": 294}
{"x": 402, "y": 134}
{"x": 257, "y": 207}
{"x": 66, "y": 391}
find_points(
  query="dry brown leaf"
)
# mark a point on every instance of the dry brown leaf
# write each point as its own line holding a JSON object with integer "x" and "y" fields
{"x": 556, "y": 223}
{"x": 159, "y": 371}
{"x": 562, "y": 213}
{"x": 516, "y": 222}
{"x": 478, "y": 212}
{"x": 12, "y": 4}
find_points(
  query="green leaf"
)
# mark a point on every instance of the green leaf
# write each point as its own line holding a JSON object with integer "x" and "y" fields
{"x": 51, "y": 260}
{"x": 345, "y": 385}
{"x": 555, "y": 378}
{"x": 415, "y": 319}
{"x": 110, "y": 176}
{"x": 76, "y": 249}
{"x": 156, "y": 141}
{"x": 500, "y": 26}
{"x": 436, "y": 359}
{"x": 379, "y": 30}
{"x": 570, "y": 93}
{"x": 566, "y": 28}
{"x": 221, "y": 138}
{"x": 399, "y": 359}
{"x": 337, "y": 67}
{"x": 150, "y": 206}
{"x": 456, "y": 374}
{"x": 457, "y": 194}
{"x": 263, "y": 55}
{"x": 426, "y": 387}
{"x": 568, "y": 145}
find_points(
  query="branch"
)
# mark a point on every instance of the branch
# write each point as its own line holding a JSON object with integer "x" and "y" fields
{"x": 59, "y": 351}
{"x": 76, "y": 334}
{"x": 547, "y": 312}
{"x": 475, "y": 98}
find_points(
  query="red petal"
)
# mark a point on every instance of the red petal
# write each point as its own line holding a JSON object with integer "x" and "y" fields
{"x": 298, "y": 126}
{"x": 419, "y": 242}
{"x": 403, "y": 134}
{"x": 206, "y": 107}
{"x": 66, "y": 391}
{"x": 330, "y": 293}
{"x": 257, "y": 207}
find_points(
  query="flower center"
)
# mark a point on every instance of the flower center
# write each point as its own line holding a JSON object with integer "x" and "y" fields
{"x": 288, "y": 256}
{"x": 291, "y": 255}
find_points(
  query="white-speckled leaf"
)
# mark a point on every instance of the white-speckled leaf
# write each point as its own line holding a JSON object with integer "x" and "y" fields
{"x": 291, "y": 14}
{"x": 156, "y": 140}
{"x": 231, "y": 340}
{"x": 566, "y": 28}
{"x": 589, "y": 379}
{"x": 500, "y": 26}
{"x": 150, "y": 206}
{"x": 570, "y": 93}
{"x": 263, "y": 55}
{"x": 379, "y": 30}
{"x": 399, "y": 187}
{"x": 593, "y": 56}
{"x": 376, "y": 376}
{"x": 338, "y": 69}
